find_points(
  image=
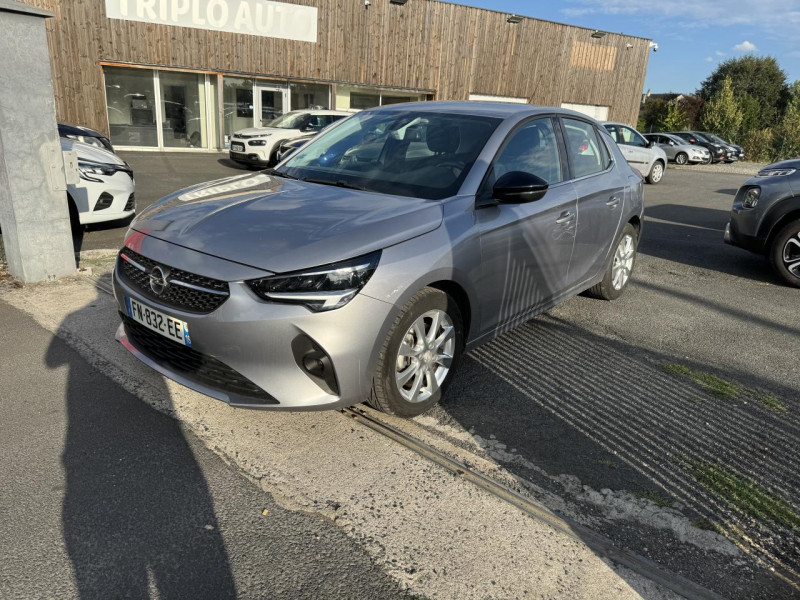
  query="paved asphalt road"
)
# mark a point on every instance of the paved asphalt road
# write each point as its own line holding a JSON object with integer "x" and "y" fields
{"x": 104, "y": 497}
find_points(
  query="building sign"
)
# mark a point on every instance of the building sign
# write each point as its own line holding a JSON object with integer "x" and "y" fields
{"x": 252, "y": 17}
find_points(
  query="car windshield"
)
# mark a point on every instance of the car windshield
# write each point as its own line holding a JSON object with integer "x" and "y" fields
{"x": 676, "y": 139}
{"x": 702, "y": 138}
{"x": 291, "y": 120}
{"x": 405, "y": 153}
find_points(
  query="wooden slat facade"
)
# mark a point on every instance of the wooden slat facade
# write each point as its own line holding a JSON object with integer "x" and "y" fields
{"x": 448, "y": 50}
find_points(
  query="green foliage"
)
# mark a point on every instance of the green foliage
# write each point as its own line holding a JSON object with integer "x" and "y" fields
{"x": 751, "y": 113}
{"x": 744, "y": 494}
{"x": 651, "y": 114}
{"x": 721, "y": 114}
{"x": 757, "y": 76}
{"x": 757, "y": 144}
{"x": 675, "y": 119}
{"x": 786, "y": 142}
{"x": 692, "y": 106}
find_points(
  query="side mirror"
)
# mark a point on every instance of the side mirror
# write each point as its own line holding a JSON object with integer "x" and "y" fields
{"x": 519, "y": 187}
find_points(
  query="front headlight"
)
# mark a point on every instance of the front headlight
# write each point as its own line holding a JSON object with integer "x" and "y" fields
{"x": 775, "y": 172}
{"x": 322, "y": 288}
{"x": 751, "y": 197}
{"x": 88, "y": 168}
{"x": 257, "y": 142}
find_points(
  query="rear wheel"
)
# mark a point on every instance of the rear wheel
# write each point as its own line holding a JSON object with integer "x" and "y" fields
{"x": 420, "y": 354}
{"x": 785, "y": 253}
{"x": 656, "y": 172}
{"x": 681, "y": 158}
{"x": 619, "y": 268}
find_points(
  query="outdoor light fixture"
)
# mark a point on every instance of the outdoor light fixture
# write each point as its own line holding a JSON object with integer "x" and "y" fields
{"x": 598, "y": 34}
{"x": 514, "y": 19}
{"x": 400, "y": 2}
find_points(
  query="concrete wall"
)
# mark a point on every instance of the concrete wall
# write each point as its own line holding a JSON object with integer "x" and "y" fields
{"x": 34, "y": 214}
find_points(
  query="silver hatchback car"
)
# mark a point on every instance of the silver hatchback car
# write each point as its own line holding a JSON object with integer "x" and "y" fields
{"x": 367, "y": 263}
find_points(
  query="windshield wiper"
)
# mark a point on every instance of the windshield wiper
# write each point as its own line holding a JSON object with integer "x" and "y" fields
{"x": 340, "y": 183}
{"x": 279, "y": 174}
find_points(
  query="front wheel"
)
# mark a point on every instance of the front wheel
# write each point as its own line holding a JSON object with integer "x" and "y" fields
{"x": 421, "y": 352}
{"x": 619, "y": 268}
{"x": 656, "y": 172}
{"x": 681, "y": 158}
{"x": 785, "y": 253}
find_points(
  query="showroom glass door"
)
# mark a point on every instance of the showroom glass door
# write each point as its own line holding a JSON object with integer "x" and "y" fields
{"x": 272, "y": 103}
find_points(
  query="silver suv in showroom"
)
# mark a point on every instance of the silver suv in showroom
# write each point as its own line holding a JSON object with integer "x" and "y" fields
{"x": 368, "y": 262}
{"x": 643, "y": 155}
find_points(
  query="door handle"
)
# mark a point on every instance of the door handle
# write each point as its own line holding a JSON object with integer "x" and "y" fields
{"x": 613, "y": 202}
{"x": 565, "y": 217}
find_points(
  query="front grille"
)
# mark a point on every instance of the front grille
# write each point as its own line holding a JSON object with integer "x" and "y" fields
{"x": 191, "y": 363}
{"x": 131, "y": 203}
{"x": 186, "y": 291}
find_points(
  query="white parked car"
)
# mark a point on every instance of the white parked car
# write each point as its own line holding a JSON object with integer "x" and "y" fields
{"x": 105, "y": 189}
{"x": 258, "y": 146}
{"x": 642, "y": 155}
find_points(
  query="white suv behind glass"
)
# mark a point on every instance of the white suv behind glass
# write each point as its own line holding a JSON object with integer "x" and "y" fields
{"x": 642, "y": 155}
{"x": 258, "y": 146}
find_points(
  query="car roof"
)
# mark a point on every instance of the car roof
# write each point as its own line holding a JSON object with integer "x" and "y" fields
{"x": 502, "y": 110}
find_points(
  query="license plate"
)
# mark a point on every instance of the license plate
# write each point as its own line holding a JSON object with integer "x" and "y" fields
{"x": 169, "y": 327}
{"x": 237, "y": 147}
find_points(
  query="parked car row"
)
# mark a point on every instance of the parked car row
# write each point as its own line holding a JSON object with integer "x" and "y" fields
{"x": 371, "y": 257}
{"x": 365, "y": 263}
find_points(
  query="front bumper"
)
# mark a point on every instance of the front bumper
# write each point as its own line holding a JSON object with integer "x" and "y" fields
{"x": 263, "y": 343}
{"x": 249, "y": 158}
{"x": 119, "y": 186}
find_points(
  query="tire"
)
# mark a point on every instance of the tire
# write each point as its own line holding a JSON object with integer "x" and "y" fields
{"x": 708, "y": 161}
{"x": 386, "y": 394}
{"x": 681, "y": 158}
{"x": 785, "y": 253}
{"x": 656, "y": 172}
{"x": 609, "y": 288}
{"x": 74, "y": 218}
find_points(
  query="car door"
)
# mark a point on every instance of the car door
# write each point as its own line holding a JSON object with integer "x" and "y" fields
{"x": 525, "y": 248}
{"x": 666, "y": 144}
{"x": 633, "y": 146}
{"x": 600, "y": 190}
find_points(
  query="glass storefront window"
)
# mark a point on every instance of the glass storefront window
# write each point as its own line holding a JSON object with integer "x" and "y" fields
{"x": 397, "y": 99}
{"x": 213, "y": 126}
{"x": 358, "y": 97}
{"x": 310, "y": 95}
{"x": 184, "y": 123}
{"x": 237, "y": 105}
{"x": 131, "y": 105}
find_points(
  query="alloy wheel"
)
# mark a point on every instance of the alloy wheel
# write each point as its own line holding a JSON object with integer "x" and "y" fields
{"x": 681, "y": 159}
{"x": 657, "y": 172}
{"x": 425, "y": 356}
{"x": 623, "y": 262}
{"x": 791, "y": 255}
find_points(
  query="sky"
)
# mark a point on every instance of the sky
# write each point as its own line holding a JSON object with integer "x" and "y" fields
{"x": 693, "y": 36}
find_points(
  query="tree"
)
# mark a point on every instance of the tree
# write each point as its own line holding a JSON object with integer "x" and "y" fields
{"x": 757, "y": 76}
{"x": 721, "y": 114}
{"x": 692, "y": 106}
{"x": 675, "y": 119}
{"x": 751, "y": 114}
{"x": 651, "y": 114}
{"x": 786, "y": 140}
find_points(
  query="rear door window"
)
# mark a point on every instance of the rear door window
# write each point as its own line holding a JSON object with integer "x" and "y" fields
{"x": 585, "y": 150}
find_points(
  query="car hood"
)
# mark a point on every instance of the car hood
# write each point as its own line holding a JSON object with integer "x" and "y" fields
{"x": 282, "y": 225}
{"x": 265, "y": 131}
{"x": 91, "y": 153}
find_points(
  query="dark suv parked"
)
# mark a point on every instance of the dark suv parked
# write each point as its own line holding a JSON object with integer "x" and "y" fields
{"x": 718, "y": 152}
{"x": 734, "y": 152}
{"x": 765, "y": 218}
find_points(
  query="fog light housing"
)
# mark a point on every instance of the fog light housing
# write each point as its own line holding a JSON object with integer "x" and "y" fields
{"x": 751, "y": 197}
{"x": 104, "y": 201}
{"x": 315, "y": 363}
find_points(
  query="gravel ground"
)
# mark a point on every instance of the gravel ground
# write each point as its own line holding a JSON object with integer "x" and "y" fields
{"x": 737, "y": 168}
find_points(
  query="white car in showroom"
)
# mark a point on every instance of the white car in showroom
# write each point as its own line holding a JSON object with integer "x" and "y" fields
{"x": 258, "y": 146}
{"x": 105, "y": 188}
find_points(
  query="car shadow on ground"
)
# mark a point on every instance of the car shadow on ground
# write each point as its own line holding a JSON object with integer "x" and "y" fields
{"x": 137, "y": 512}
{"x": 227, "y": 162}
{"x": 628, "y": 436}
{"x": 693, "y": 236}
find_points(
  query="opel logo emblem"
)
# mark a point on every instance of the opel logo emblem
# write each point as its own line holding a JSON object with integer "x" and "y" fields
{"x": 158, "y": 280}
